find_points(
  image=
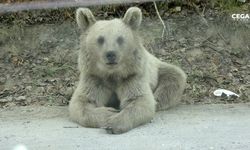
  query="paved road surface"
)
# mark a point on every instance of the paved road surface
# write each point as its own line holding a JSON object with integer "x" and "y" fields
{"x": 188, "y": 127}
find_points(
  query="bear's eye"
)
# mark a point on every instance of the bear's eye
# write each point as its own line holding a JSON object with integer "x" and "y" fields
{"x": 120, "y": 40}
{"x": 100, "y": 40}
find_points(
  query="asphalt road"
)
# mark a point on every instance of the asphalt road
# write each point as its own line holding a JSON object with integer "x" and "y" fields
{"x": 188, "y": 127}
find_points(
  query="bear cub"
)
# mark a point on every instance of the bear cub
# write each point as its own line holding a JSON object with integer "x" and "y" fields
{"x": 121, "y": 84}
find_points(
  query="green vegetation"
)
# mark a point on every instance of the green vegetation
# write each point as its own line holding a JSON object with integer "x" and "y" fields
{"x": 231, "y": 5}
{"x": 104, "y": 11}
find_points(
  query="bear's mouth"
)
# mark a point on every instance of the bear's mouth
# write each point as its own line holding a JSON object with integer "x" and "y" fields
{"x": 111, "y": 63}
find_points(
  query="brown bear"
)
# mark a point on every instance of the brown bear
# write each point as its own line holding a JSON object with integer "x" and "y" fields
{"x": 121, "y": 84}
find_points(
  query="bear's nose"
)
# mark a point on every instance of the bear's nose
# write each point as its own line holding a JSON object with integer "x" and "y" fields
{"x": 111, "y": 56}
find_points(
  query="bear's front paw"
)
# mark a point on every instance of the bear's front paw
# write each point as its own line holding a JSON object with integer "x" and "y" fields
{"x": 99, "y": 116}
{"x": 117, "y": 125}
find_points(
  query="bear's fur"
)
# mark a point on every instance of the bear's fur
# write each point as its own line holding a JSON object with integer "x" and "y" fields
{"x": 121, "y": 84}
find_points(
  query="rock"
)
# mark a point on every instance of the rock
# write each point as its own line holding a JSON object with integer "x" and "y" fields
{"x": 239, "y": 61}
{"x": 178, "y": 9}
{"x": 234, "y": 69}
{"x": 3, "y": 100}
{"x": 50, "y": 89}
{"x": 2, "y": 80}
{"x": 220, "y": 43}
{"x": 21, "y": 98}
{"x": 230, "y": 75}
{"x": 7, "y": 99}
{"x": 68, "y": 93}
{"x": 162, "y": 52}
{"x": 244, "y": 67}
{"x": 53, "y": 80}
{"x": 166, "y": 14}
{"x": 28, "y": 100}
{"x": 46, "y": 59}
{"x": 183, "y": 50}
{"x": 67, "y": 79}
{"x": 28, "y": 88}
{"x": 182, "y": 40}
{"x": 40, "y": 90}
{"x": 194, "y": 53}
{"x": 173, "y": 45}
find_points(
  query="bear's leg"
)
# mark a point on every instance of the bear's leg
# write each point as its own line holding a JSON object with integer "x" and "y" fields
{"x": 171, "y": 84}
{"x": 87, "y": 114}
{"x": 137, "y": 112}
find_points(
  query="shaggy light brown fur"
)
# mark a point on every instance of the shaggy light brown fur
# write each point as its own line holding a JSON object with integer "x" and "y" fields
{"x": 121, "y": 84}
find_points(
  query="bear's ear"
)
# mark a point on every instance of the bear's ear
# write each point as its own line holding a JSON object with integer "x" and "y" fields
{"x": 133, "y": 17}
{"x": 84, "y": 18}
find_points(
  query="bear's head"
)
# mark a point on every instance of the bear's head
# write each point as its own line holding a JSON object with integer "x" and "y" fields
{"x": 110, "y": 46}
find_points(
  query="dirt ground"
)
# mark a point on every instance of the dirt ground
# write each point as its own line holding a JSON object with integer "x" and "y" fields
{"x": 38, "y": 63}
